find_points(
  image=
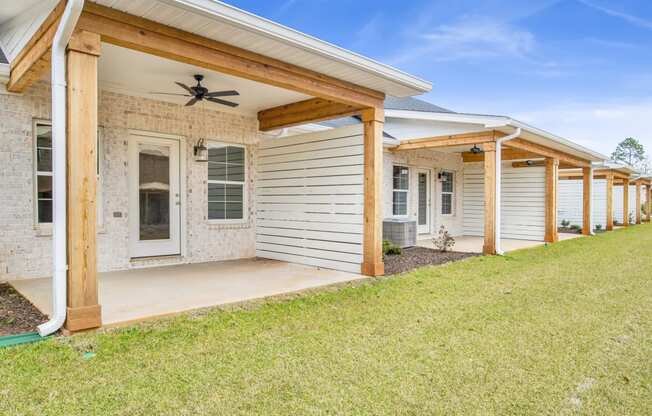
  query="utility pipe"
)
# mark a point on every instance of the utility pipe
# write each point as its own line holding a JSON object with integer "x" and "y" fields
{"x": 499, "y": 173}
{"x": 59, "y": 244}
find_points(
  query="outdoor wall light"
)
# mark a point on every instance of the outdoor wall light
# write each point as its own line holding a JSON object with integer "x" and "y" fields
{"x": 201, "y": 151}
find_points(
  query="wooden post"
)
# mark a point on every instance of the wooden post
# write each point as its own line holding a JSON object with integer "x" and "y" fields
{"x": 610, "y": 201}
{"x": 552, "y": 177}
{"x": 637, "y": 204}
{"x": 625, "y": 202}
{"x": 587, "y": 203}
{"x": 84, "y": 312}
{"x": 490, "y": 199}
{"x": 373, "y": 120}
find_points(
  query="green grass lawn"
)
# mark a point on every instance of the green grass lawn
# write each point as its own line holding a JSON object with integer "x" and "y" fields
{"x": 563, "y": 329}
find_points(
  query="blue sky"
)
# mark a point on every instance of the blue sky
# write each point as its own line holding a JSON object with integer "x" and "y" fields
{"x": 578, "y": 68}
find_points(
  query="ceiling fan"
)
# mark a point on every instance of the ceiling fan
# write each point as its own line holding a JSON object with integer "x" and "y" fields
{"x": 199, "y": 93}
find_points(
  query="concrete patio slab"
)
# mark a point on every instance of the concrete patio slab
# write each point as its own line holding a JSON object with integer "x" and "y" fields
{"x": 139, "y": 294}
{"x": 470, "y": 244}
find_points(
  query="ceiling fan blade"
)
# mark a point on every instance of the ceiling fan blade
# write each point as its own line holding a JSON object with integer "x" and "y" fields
{"x": 222, "y": 93}
{"x": 192, "y": 102}
{"x": 170, "y": 93}
{"x": 185, "y": 87}
{"x": 223, "y": 102}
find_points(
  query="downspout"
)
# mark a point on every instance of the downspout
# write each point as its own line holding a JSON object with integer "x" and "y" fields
{"x": 59, "y": 244}
{"x": 499, "y": 173}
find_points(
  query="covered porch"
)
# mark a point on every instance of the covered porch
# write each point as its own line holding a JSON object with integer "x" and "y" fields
{"x": 139, "y": 294}
{"x": 293, "y": 206}
{"x": 473, "y": 244}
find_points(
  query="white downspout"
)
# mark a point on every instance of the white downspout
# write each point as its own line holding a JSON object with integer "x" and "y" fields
{"x": 59, "y": 244}
{"x": 499, "y": 173}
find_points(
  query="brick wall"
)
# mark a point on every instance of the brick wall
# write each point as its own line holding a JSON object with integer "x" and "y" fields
{"x": 25, "y": 248}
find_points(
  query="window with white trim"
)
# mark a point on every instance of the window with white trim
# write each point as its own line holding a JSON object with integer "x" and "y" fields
{"x": 401, "y": 186}
{"x": 226, "y": 182}
{"x": 447, "y": 192}
{"x": 43, "y": 173}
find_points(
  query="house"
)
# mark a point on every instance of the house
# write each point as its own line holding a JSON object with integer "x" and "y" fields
{"x": 619, "y": 193}
{"x": 164, "y": 168}
{"x": 150, "y": 133}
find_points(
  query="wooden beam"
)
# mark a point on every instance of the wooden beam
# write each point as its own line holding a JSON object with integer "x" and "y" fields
{"x": 544, "y": 151}
{"x": 373, "y": 121}
{"x": 132, "y": 32}
{"x": 637, "y": 204}
{"x": 610, "y": 202}
{"x": 84, "y": 311}
{"x": 625, "y": 202}
{"x": 490, "y": 225}
{"x": 507, "y": 154}
{"x": 466, "y": 139}
{"x": 34, "y": 59}
{"x": 302, "y": 112}
{"x": 552, "y": 175}
{"x": 587, "y": 203}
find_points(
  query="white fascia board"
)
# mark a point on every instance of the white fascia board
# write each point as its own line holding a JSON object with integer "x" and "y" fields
{"x": 256, "y": 24}
{"x": 4, "y": 73}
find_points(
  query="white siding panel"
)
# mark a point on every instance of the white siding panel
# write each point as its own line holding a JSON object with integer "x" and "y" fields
{"x": 522, "y": 201}
{"x": 310, "y": 199}
{"x": 618, "y": 202}
{"x": 570, "y": 202}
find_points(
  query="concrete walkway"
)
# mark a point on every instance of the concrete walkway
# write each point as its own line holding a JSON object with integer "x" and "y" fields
{"x": 139, "y": 294}
{"x": 470, "y": 244}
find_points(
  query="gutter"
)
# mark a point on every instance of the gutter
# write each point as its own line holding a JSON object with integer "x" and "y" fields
{"x": 499, "y": 173}
{"x": 59, "y": 244}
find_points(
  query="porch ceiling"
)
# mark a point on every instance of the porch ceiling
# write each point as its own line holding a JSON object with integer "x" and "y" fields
{"x": 135, "y": 73}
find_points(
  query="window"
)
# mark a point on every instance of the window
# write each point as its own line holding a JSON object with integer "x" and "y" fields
{"x": 43, "y": 177}
{"x": 226, "y": 182}
{"x": 43, "y": 165}
{"x": 401, "y": 180}
{"x": 447, "y": 192}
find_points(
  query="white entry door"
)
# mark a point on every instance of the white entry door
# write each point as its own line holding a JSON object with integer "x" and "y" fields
{"x": 154, "y": 196}
{"x": 423, "y": 201}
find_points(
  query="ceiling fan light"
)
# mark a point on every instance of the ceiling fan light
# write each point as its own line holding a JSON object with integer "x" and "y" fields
{"x": 475, "y": 149}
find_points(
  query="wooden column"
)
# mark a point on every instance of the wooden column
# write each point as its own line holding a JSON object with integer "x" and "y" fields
{"x": 587, "y": 203}
{"x": 610, "y": 202}
{"x": 625, "y": 202}
{"x": 490, "y": 225}
{"x": 552, "y": 177}
{"x": 637, "y": 204}
{"x": 84, "y": 312}
{"x": 373, "y": 120}
{"x": 648, "y": 202}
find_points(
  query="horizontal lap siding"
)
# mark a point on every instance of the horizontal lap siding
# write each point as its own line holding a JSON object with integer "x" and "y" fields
{"x": 618, "y": 202}
{"x": 522, "y": 202}
{"x": 570, "y": 202}
{"x": 310, "y": 199}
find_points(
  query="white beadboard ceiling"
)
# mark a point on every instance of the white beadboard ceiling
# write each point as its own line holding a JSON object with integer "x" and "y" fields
{"x": 134, "y": 73}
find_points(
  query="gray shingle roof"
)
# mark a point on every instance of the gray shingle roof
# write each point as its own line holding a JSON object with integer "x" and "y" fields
{"x": 413, "y": 104}
{"x": 3, "y": 58}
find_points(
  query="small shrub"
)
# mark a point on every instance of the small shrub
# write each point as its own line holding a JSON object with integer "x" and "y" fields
{"x": 391, "y": 249}
{"x": 598, "y": 227}
{"x": 575, "y": 227}
{"x": 565, "y": 223}
{"x": 444, "y": 241}
{"x": 631, "y": 218}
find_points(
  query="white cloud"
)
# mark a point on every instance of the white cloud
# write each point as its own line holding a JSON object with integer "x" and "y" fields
{"x": 469, "y": 38}
{"x": 630, "y": 18}
{"x": 598, "y": 126}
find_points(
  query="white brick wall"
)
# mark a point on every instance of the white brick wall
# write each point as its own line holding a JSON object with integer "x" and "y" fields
{"x": 25, "y": 250}
{"x": 427, "y": 159}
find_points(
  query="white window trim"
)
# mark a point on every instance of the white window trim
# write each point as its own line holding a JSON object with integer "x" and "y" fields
{"x": 406, "y": 191}
{"x": 452, "y": 194}
{"x": 245, "y": 194}
{"x": 45, "y": 228}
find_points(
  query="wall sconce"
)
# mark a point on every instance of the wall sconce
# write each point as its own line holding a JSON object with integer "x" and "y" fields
{"x": 475, "y": 149}
{"x": 201, "y": 151}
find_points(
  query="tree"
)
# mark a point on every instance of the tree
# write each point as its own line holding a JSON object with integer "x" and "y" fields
{"x": 630, "y": 151}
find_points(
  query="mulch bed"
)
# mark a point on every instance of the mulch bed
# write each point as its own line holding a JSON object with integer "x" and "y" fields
{"x": 17, "y": 314}
{"x": 414, "y": 257}
{"x": 569, "y": 230}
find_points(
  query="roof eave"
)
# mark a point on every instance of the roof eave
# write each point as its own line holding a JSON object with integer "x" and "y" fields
{"x": 233, "y": 15}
